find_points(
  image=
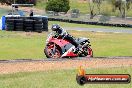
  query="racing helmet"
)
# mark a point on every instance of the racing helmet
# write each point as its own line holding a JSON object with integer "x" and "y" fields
{"x": 55, "y": 27}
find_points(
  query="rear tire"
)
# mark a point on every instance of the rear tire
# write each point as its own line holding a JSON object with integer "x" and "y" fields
{"x": 90, "y": 52}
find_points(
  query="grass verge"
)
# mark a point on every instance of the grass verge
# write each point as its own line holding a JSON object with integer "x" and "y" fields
{"x": 21, "y": 45}
{"x": 3, "y": 12}
{"x": 64, "y": 24}
{"x": 59, "y": 79}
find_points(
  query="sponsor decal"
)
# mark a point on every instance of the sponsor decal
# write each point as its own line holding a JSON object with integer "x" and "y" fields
{"x": 83, "y": 78}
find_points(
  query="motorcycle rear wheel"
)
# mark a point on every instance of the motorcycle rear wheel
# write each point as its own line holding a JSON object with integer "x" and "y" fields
{"x": 88, "y": 52}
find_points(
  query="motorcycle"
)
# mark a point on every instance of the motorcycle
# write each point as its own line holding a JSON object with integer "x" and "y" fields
{"x": 61, "y": 48}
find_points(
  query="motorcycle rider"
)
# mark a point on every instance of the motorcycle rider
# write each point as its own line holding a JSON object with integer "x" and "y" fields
{"x": 58, "y": 31}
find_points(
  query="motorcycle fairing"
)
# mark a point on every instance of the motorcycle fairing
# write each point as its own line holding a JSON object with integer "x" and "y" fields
{"x": 65, "y": 46}
{"x": 69, "y": 53}
{"x": 59, "y": 42}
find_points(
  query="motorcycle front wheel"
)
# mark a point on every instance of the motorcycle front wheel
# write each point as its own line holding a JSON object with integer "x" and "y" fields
{"x": 52, "y": 51}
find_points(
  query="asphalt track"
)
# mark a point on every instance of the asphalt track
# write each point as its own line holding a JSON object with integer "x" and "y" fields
{"x": 107, "y": 30}
{"x": 62, "y": 59}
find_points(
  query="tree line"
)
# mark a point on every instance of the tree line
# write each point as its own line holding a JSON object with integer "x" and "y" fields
{"x": 63, "y": 5}
{"x": 122, "y": 5}
{"x": 94, "y": 6}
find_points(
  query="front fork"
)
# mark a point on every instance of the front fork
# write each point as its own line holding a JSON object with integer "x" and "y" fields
{"x": 54, "y": 48}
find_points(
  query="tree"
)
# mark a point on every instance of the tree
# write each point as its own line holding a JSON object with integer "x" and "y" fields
{"x": 98, "y": 2}
{"x": 121, "y": 5}
{"x": 92, "y": 5}
{"x": 58, "y": 5}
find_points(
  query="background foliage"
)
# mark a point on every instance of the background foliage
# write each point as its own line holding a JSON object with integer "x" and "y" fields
{"x": 58, "y": 5}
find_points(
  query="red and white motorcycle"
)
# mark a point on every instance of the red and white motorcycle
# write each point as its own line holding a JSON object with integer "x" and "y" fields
{"x": 61, "y": 48}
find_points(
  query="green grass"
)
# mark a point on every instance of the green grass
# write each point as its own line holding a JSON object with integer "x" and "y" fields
{"x": 59, "y": 79}
{"x": 72, "y": 25}
{"x": 41, "y": 4}
{"x": 3, "y": 12}
{"x": 21, "y": 45}
{"x": 83, "y": 7}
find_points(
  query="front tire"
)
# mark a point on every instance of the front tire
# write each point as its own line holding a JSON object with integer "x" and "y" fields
{"x": 49, "y": 51}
